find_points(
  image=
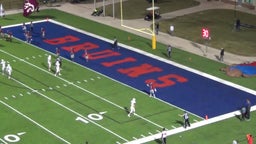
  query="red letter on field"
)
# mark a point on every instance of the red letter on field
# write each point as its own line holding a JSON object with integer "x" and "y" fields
{"x": 166, "y": 80}
{"x": 103, "y": 54}
{"x": 125, "y": 60}
{"x": 85, "y": 46}
{"x": 62, "y": 40}
{"x": 139, "y": 70}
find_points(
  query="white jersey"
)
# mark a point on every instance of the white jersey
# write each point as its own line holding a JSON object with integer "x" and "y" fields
{"x": 9, "y": 71}
{"x": 3, "y": 63}
{"x": 133, "y": 102}
{"x": 57, "y": 64}
{"x": 132, "y": 107}
{"x": 49, "y": 61}
{"x": 9, "y": 68}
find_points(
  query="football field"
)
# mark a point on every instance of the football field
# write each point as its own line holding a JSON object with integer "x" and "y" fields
{"x": 89, "y": 101}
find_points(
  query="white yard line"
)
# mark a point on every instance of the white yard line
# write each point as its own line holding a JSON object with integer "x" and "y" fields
{"x": 52, "y": 133}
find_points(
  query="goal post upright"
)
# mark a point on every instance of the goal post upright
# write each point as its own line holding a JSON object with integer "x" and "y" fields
{"x": 121, "y": 11}
{"x": 153, "y": 25}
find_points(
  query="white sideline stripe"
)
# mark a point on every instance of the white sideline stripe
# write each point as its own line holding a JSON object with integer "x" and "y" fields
{"x": 65, "y": 107}
{"x": 193, "y": 126}
{"x": 35, "y": 122}
{"x": 80, "y": 88}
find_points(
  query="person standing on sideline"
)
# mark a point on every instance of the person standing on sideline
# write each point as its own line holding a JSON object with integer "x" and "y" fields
{"x": 31, "y": 26}
{"x": 163, "y": 136}
{"x": 152, "y": 89}
{"x": 243, "y": 113}
{"x": 49, "y": 61}
{"x": 186, "y": 119}
{"x": 157, "y": 28}
{"x": 169, "y": 50}
{"x": 248, "y": 109}
{"x": 115, "y": 43}
{"x": 9, "y": 70}
{"x": 222, "y": 51}
{"x": 43, "y": 33}
{"x": 132, "y": 107}
{"x": 3, "y": 63}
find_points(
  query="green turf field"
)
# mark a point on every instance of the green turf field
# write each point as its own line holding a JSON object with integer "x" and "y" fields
{"x": 82, "y": 105}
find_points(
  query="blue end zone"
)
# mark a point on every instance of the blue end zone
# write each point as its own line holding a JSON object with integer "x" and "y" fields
{"x": 187, "y": 90}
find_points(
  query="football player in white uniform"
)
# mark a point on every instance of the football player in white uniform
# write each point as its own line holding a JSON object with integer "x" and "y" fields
{"x": 3, "y": 63}
{"x": 132, "y": 107}
{"x": 57, "y": 66}
{"x": 9, "y": 70}
{"x": 49, "y": 61}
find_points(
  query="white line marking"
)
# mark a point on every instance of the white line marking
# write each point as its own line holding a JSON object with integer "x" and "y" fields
{"x": 6, "y": 98}
{"x": 85, "y": 90}
{"x": 85, "y": 80}
{"x": 34, "y": 91}
{"x": 21, "y": 133}
{"x": 21, "y": 94}
{"x": 13, "y": 96}
{"x": 101, "y": 113}
{"x": 173, "y": 127}
{"x": 35, "y": 122}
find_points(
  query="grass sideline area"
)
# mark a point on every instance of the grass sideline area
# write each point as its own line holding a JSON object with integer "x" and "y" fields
{"x": 211, "y": 134}
{"x": 220, "y": 22}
